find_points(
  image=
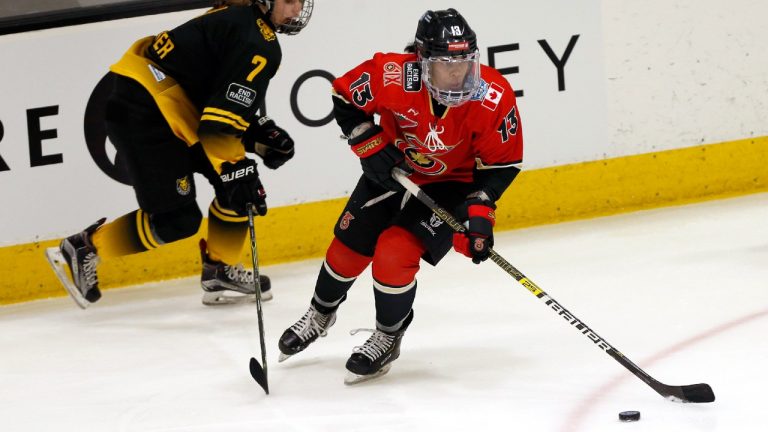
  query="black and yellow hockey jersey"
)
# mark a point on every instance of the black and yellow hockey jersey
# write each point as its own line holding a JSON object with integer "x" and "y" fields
{"x": 208, "y": 76}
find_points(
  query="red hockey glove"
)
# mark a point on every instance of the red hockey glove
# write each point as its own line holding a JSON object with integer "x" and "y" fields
{"x": 378, "y": 157}
{"x": 477, "y": 241}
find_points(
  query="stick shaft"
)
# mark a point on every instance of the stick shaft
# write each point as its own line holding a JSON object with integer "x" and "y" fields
{"x": 663, "y": 389}
{"x": 257, "y": 285}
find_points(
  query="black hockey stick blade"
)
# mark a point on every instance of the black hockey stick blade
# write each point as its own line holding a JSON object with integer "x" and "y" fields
{"x": 258, "y": 374}
{"x": 699, "y": 393}
{"x": 694, "y": 393}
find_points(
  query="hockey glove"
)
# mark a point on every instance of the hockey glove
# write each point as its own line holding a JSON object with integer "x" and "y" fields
{"x": 271, "y": 142}
{"x": 477, "y": 241}
{"x": 378, "y": 157}
{"x": 242, "y": 186}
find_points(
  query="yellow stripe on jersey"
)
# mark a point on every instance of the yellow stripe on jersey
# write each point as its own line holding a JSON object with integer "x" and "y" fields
{"x": 225, "y": 120}
{"x": 242, "y": 124}
{"x": 225, "y": 214}
{"x": 145, "y": 231}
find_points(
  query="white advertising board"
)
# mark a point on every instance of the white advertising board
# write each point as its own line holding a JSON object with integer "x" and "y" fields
{"x": 50, "y": 184}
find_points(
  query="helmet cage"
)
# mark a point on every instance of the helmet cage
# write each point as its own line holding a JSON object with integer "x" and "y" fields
{"x": 445, "y": 40}
{"x": 295, "y": 25}
{"x": 446, "y": 93}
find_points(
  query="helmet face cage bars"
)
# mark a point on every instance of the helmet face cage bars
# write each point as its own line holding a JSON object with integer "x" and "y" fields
{"x": 450, "y": 94}
{"x": 447, "y": 45}
{"x": 295, "y": 25}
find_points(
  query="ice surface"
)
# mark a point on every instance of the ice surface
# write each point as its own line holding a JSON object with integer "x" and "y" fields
{"x": 681, "y": 291}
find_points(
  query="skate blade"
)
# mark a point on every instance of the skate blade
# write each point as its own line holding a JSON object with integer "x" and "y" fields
{"x": 284, "y": 357}
{"x": 59, "y": 266}
{"x": 219, "y": 298}
{"x": 353, "y": 378}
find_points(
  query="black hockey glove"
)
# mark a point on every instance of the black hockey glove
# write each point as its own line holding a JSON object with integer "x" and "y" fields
{"x": 477, "y": 241}
{"x": 242, "y": 186}
{"x": 378, "y": 157}
{"x": 271, "y": 142}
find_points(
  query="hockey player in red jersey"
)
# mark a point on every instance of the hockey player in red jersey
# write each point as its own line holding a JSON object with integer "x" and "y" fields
{"x": 185, "y": 101}
{"x": 451, "y": 121}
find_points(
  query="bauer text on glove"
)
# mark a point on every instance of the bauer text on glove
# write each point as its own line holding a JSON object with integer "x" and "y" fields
{"x": 241, "y": 185}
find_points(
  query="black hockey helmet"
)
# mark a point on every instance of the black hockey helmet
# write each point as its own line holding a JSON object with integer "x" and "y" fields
{"x": 296, "y": 24}
{"x": 444, "y": 33}
{"x": 450, "y": 60}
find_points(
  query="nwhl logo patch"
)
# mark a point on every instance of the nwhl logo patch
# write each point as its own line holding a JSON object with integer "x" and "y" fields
{"x": 241, "y": 95}
{"x": 157, "y": 73}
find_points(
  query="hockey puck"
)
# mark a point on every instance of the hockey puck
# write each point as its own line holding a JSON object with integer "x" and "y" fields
{"x": 629, "y": 416}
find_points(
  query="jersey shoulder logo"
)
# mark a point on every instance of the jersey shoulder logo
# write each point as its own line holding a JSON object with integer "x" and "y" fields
{"x": 412, "y": 77}
{"x": 393, "y": 74}
{"x": 241, "y": 95}
{"x": 266, "y": 32}
{"x": 480, "y": 92}
{"x": 493, "y": 96}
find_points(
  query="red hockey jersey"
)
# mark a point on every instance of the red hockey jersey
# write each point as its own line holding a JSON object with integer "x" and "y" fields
{"x": 483, "y": 133}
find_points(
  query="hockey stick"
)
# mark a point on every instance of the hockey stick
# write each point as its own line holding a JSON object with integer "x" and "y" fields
{"x": 258, "y": 372}
{"x": 697, "y": 393}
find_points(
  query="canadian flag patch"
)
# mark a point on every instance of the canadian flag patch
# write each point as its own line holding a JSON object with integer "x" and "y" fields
{"x": 493, "y": 96}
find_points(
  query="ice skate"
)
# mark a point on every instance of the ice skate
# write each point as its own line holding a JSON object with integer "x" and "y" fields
{"x": 225, "y": 284}
{"x": 374, "y": 358}
{"x": 78, "y": 254}
{"x": 305, "y": 331}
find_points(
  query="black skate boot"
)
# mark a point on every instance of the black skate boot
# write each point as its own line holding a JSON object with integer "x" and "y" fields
{"x": 219, "y": 281}
{"x": 374, "y": 358}
{"x": 77, "y": 253}
{"x": 307, "y": 329}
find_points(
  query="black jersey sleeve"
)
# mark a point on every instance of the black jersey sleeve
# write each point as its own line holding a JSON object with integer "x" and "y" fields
{"x": 247, "y": 55}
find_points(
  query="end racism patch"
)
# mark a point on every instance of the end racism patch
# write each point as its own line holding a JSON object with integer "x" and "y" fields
{"x": 240, "y": 94}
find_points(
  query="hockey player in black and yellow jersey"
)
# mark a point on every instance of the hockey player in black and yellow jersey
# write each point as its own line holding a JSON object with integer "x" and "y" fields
{"x": 186, "y": 101}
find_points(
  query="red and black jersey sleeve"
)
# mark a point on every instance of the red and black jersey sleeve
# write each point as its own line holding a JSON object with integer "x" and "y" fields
{"x": 498, "y": 146}
{"x": 355, "y": 94}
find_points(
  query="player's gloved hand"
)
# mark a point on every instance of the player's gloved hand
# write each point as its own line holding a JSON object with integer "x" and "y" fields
{"x": 477, "y": 241}
{"x": 242, "y": 186}
{"x": 378, "y": 157}
{"x": 271, "y": 142}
